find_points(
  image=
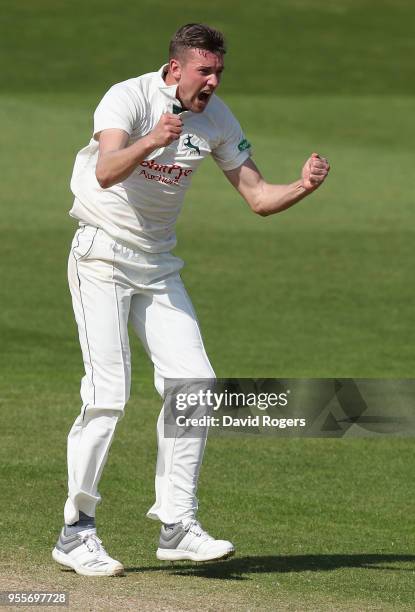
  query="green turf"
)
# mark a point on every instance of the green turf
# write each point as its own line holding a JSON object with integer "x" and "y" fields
{"x": 324, "y": 289}
{"x": 286, "y": 46}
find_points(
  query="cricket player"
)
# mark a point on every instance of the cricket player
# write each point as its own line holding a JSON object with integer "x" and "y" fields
{"x": 150, "y": 135}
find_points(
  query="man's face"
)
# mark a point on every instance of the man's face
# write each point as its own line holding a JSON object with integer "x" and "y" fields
{"x": 198, "y": 74}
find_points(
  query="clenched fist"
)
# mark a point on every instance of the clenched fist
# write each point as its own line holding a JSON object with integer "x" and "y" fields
{"x": 167, "y": 129}
{"x": 314, "y": 172}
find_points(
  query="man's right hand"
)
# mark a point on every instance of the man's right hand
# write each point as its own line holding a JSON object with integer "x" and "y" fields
{"x": 117, "y": 160}
{"x": 168, "y": 129}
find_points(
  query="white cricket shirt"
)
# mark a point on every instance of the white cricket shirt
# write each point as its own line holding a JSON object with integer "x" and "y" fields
{"x": 142, "y": 210}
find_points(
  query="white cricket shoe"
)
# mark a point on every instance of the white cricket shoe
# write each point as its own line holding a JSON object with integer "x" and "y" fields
{"x": 84, "y": 553}
{"x": 190, "y": 542}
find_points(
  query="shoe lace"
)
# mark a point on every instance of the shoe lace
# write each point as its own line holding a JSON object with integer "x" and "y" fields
{"x": 94, "y": 544}
{"x": 196, "y": 528}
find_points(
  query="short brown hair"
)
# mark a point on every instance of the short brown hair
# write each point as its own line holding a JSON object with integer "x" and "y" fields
{"x": 197, "y": 36}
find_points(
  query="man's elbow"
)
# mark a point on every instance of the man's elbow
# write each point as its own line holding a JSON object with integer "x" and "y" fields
{"x": 255, "y": 200}
{"x": 103, "y": 175}
{"x": 104, "y": 183}
{"x": 258, "y": 208}
{"x": 103, "y": 178}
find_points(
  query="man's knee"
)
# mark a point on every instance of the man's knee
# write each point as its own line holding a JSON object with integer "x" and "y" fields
{"x": 205, "y": 373}
{"x": 105, "y": 395}
{"x": 93, "y": 412}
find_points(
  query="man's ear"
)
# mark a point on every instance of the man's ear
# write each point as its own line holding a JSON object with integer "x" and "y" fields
{"x": 175, "y": 68}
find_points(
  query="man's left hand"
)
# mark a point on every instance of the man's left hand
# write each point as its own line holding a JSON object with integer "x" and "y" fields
{"x": 314, "y": 172}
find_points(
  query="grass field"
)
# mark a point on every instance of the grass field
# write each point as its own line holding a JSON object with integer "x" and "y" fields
{"x": 322, "y": 290}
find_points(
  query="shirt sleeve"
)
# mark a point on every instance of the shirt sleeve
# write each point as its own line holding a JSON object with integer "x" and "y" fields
{"x": 234, "y": 148}
{"x": 118, "y": 109}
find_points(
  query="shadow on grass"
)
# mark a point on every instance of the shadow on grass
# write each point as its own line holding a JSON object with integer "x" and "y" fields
{"x": 236, "y": 569}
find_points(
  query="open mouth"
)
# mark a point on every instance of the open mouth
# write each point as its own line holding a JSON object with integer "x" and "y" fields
{"x": 204, "y": 96}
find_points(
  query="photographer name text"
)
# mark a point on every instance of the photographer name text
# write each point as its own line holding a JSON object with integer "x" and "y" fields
{"x": 225, "y": 420}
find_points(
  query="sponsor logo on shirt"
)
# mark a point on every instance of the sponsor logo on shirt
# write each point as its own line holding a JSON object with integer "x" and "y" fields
{"x": 244, "y": 144}
{"x": 170, "y": 173}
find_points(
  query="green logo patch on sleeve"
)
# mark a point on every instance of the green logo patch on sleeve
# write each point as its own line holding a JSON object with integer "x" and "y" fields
{"x": 244, "y": 144}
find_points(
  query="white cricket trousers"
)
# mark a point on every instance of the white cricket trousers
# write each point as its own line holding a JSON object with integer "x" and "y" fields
{"x": 111, "y": 285}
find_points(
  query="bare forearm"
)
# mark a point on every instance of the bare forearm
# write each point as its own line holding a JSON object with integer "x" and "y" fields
{"x": 115, "y": 166}
{"x": 266, "y": 198}
{"x": 272, "y": 199}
